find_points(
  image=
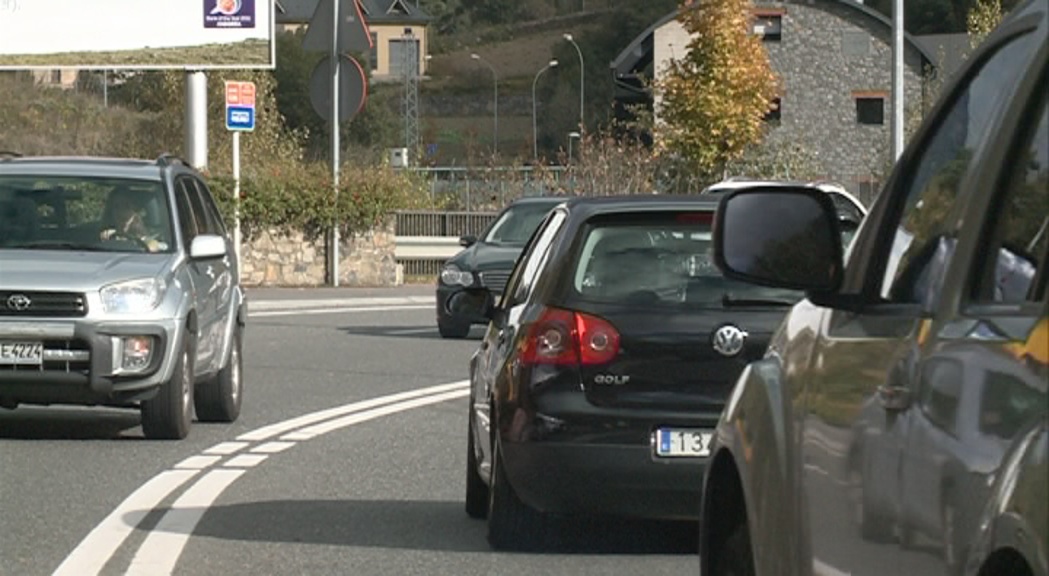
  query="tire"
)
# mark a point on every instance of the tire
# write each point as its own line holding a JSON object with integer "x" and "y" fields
{"x": 737, "y": 558}
{"x": 169, "y": 414}
{"x": 476, "y": 489}
{"x": 512, "y": 525}
{"x": 874, "y": 527}
{"x": 219, "y": 399}
{"x": 450, "y": 328}
{"x": 952, "y": 554}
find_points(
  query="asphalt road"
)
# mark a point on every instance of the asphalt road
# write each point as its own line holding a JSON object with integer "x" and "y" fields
{"x": 348, "y": 458}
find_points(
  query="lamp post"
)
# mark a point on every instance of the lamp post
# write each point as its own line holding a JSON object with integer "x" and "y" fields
{"x": 495, "y": 102}
{"x": 535, "y": 130}
{"x": 571, "y": 136}
{"x": 582, "y": 78}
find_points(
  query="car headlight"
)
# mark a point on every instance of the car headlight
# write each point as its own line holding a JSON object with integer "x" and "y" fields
{"x": 133, "y": 296}
{"x": 453, "y": 276}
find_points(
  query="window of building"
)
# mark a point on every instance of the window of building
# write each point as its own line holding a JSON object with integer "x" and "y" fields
{"x": 870, "y": 108}
{"x": 373, "y": 53}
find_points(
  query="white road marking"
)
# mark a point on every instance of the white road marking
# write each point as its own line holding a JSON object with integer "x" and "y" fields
{"x": 226, "y": 448}
{"x": 822, "y": 569}
{"x": 246, "y": 460}
{"x": 198, "y": 462}
{"x": 174, "y": 529}
{"x": 314, "y": 311}
{"x": 165, "y": 543}
{"x": 267, "y": 432}
{"x": 100, "y": 544}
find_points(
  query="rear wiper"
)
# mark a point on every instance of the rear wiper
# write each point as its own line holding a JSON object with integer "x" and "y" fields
{"x": 46, "y": 245}
{"x": 730, "y": 301}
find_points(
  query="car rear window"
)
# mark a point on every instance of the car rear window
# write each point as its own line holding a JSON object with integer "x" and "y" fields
{"x": 660, "y": 259}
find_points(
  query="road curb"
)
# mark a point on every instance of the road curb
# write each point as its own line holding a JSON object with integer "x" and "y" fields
{"x": 260, "y": 305}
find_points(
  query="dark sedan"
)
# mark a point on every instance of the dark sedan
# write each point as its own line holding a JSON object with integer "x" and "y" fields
{"x": 606, "y": 364}
{"x": 485, "y": 262}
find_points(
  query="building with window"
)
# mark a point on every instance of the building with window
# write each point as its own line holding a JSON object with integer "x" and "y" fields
{"x": 397, "y": 27}
{"x": 833, "y": 59}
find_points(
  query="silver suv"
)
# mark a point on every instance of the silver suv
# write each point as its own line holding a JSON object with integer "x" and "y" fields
{"x": 119, "y": 287}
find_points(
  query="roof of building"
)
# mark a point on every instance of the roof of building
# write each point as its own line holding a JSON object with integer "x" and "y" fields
{"x": 374, "y": 11}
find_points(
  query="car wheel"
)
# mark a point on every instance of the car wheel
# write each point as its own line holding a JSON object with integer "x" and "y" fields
{"x": 736, "y": 558}
{"x": 874, "y": 527}
{"x": 949, "y": 523}
{"x": 450, "y": 328}
{"x": 512, "y": 524}
{"x": 476, "y": 489}
{"x": 168, "y": 415}
{"x": 219, "y": 399}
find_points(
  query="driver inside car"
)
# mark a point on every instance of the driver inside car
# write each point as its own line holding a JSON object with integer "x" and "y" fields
{"x": 125, "y": 219}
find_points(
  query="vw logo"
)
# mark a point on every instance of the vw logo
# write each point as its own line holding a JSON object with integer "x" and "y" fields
{"x": 18, "y": 302}
{"x": 728, "y": 340}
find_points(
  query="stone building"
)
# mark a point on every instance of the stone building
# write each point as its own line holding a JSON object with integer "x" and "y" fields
{"x": 833, "y": 59}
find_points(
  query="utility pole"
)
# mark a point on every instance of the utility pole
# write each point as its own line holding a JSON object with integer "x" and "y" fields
{"x": 897, "y": 79}
{"x": 410, "y": 69}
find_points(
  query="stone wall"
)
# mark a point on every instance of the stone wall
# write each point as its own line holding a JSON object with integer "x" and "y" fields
{"x": 365, "y": 259}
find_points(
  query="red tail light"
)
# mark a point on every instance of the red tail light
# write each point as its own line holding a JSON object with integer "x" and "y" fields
{"x": 566, "y": 337}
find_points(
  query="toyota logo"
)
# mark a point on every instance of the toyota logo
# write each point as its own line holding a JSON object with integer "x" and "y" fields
{"x": 18, "y": 302}
{"x": 728, "y": 340}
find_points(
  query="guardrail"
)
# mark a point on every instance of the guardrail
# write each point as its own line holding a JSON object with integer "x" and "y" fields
{"x": 425, "y": 239}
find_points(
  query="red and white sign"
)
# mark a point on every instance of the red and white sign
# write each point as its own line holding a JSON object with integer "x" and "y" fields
{"x": 240, "y": 94}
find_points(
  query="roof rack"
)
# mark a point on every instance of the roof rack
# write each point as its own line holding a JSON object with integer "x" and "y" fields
{"x": 8, "y": 154}
{"x": 167, "y": 159}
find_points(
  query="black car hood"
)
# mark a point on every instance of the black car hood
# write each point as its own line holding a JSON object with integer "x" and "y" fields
{"x": 482, "y": 256}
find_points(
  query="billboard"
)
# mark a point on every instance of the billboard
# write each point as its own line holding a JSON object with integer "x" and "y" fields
{"x": 137, "y": 34}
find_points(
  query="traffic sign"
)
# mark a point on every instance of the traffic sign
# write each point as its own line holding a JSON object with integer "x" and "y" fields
{"x": 240, "y": 106}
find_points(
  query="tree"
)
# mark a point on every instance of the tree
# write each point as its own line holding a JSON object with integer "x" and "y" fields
{"x": 714, "y": 100}
{"x": 983, "y": 17}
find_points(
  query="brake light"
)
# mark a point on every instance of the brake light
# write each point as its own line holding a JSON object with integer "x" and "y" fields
{"x": 696, "y": 217}
{"x": 566, "y": 337}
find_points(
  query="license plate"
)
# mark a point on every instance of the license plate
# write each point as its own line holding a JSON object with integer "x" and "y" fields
{"x": 683, "y": 442}
{"x": 31, "y": 353}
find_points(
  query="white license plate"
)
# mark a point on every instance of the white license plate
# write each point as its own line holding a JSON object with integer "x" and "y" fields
{"x": 31, "y": 353}
{"x": 683, "y": 442}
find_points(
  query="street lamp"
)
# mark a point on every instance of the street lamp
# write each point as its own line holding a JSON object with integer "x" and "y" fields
{"x": 582, "y": 77}
{"x": 535, "y": 130}
{"x": 495, "y": 102}
{"x": 571, "y": 136}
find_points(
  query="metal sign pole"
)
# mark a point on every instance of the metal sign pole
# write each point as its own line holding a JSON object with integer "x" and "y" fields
{"x": 335, "y": 65}
{"x": 236, "y": 197}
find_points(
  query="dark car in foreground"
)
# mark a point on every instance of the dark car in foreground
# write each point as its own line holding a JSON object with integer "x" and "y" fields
{"x": 605, "y": 366}
{"x": 119, "y": 286}
{"x": 486, "y": 260}
{"x": 926, "y": 348}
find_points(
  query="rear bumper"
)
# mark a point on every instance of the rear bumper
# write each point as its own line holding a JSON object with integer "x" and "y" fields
{"x": 617, "y": 480}
{"x": 91, "y": 380}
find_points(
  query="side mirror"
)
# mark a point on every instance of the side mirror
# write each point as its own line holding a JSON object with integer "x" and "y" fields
{"x": 467, "y": 240}
{"x": 207, "y": 246}
{"x": 780, "y": 237}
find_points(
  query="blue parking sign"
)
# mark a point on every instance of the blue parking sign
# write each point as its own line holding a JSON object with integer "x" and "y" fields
{"x": 240, "y": 118}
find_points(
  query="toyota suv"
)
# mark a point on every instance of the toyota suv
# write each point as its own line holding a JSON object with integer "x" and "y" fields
{"x": 875, "y": 435}
{"x": 118, "y": 287}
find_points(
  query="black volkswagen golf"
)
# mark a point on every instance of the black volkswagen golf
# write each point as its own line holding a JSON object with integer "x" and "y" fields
{"x": 605, "y": 366}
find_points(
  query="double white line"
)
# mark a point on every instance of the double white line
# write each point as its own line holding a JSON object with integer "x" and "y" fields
{"x": 218, "y": 467}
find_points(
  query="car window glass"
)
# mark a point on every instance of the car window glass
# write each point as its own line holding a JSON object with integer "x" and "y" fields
{"x": 211, "y": 211}
{"x": 941, "y": 392}
{"x": 937, "y": 177}
{"x": 1008, "y": 403}
{"x": 659, "y": 259}
{"x": 516, "y": 224}
{"x": 186, "y": 220}
{"x": 529, "y": 264}
{"x": 199, "y": 217}
{"x": 1019, "y": 235}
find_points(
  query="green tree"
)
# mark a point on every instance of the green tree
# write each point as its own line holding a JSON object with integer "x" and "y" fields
{"x": 714, "y": 100}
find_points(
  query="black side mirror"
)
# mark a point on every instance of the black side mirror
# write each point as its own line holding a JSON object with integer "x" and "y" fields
{"x": 467, "y": 240}
{"x": 781, "y": 237}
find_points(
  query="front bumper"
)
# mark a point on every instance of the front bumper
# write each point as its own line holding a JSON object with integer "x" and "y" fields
{"x": 79, "y": 361}
{"x": 446, "y": 316}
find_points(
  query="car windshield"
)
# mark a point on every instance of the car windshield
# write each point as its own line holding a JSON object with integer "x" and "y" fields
{"x": 84, "y": 213}
{"x": 516, "y": 224}
{"x": 663, "y": 259}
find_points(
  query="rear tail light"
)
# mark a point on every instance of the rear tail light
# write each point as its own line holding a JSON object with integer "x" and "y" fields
{"x": 566, "y": 337}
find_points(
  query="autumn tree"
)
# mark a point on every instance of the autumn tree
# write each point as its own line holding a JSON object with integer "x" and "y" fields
{"x": 712, "y": 102}
{"x": 983, "y": 17}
